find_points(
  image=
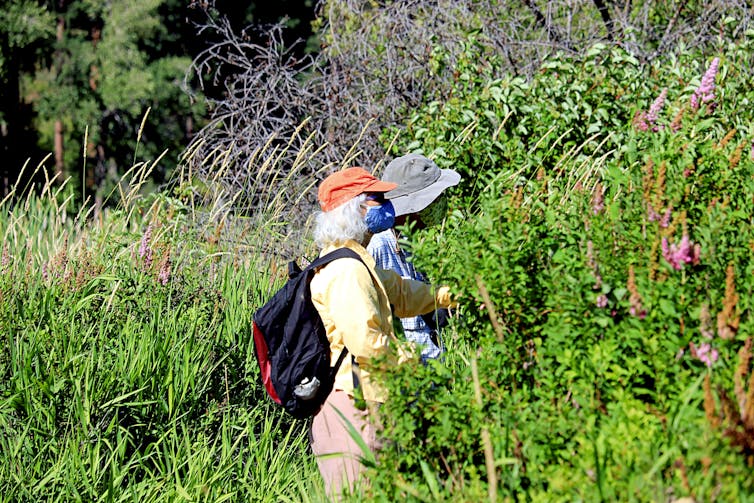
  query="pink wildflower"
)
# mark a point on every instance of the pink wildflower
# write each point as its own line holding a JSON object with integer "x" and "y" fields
{"x": 5, "y": 262}
{"x": 45, "y": 273}
{"x": 665, "y": 221}
{"x": 640, "y": 121}
{"x": 681, "y": 253}
{"x": 598, "y": 200}
{"x": 705, "y": 323}
{"x": 164, "y": 275}
{"x": 704, "y": 353}
{"x": 638, "y": 311}
{"x": 643, "y": 121}
{"x": 652, "y": 215}
{"x": 145, "y": 251}
{"x": 636, "y": 308}
{"x": 654, "y": 110}
{"x": 705, "y": 92}
{"x": 602, "y": 301}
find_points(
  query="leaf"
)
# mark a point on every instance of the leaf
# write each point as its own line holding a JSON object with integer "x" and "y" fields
{"x": 668, "y": 308}
{"x": 367, "y": 457}
{"x": 431, "y": 480}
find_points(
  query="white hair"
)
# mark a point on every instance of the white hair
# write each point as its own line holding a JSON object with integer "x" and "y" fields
{"x": 340, "y": 224}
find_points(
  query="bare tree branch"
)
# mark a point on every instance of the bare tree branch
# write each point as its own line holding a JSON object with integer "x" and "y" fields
{"x": 380, "y": 62}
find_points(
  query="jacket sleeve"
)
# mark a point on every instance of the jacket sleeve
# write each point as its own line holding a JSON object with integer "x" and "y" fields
{"x": 411, "y": 297}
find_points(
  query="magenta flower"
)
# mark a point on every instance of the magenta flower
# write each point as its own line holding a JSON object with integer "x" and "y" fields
{"x": 665, "y": 221}
{"x": 643, "y": 121}
{"x": 654, "y": 110}
{"x": 145, "y": 251}
{"x": 705, "y": 92}
{"x": 5, "y": 260}
{"x": 640, "y": 121}
{"x": 598, "y": 200}
{"x": 681, "y": 253}
{"x": 602, "y": 301}
{"x": 705, "y": 353}
{"x": 652, "y": 215}
{"x": 164, "y": 275}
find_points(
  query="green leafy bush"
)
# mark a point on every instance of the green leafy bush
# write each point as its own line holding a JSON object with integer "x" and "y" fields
{"x": 606, "y": 273}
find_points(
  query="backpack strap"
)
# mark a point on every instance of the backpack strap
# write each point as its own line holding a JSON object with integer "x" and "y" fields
{"x": 334, "y": 255}
{"x": 322, "y": 261}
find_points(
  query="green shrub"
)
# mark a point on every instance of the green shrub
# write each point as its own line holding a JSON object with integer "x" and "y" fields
{"x": 619, "y": 276}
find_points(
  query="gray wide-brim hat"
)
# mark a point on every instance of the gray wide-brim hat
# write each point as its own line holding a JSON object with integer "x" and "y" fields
{"x": 420, "y": 181}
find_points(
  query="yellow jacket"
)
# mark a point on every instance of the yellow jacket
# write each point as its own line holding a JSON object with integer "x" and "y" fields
{"x": 355, "y": 305}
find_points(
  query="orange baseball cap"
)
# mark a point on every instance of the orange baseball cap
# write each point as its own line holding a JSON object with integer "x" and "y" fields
{"x": 344, "y": 185}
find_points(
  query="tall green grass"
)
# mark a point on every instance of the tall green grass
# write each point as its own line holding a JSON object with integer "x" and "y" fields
{"x": 126, "y": 359}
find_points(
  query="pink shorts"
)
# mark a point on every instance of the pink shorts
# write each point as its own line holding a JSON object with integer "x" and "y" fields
{"x": 337, "y": 453}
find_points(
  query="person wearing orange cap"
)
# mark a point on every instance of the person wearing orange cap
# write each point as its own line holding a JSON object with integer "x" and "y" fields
{"x": 354, "y": 299}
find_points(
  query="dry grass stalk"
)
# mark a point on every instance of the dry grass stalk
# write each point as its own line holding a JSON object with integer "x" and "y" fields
{"x": 735, "y": 157}
{"x": 709, "y": 403}
{"x": 491, "y": 311}
{"x": 722, "y": 143}
{"x": 489, "y": 454}
{"x": 744, "y": 399}
{"x": 737, "y": 416}
{"x": 728, "y": 319}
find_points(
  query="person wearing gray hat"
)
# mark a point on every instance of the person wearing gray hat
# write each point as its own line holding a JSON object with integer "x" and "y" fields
{"x": 418, "y": 199}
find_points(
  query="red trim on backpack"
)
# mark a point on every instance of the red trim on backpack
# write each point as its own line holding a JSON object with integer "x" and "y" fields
{"x": 264, "y": 364}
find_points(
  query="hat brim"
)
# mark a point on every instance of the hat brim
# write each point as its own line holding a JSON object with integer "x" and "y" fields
{"x": 380, "y": 186}
{"x": 417, "y": 201}
{"x": 371, "y": 186}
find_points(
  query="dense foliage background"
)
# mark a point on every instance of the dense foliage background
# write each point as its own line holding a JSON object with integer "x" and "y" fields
{"x": 84, "y": 81}
{"x": 601, "y": 243}
{"x": 608, "y": 281}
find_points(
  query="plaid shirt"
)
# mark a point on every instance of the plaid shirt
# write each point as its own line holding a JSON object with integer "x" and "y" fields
{"x": 388, "y": 255}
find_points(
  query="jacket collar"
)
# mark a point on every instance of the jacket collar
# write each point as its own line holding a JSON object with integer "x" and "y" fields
{"x": 352, "y": 245}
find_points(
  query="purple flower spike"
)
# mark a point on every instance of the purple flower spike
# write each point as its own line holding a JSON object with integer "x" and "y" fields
{"x": 145, "y": 249}
{"x": 652, "y": 215}
{"x": 705, "y": 92}
{"x": 665, "y": 221}
{"x": 656, "y": 107}
{"x": 682, "y": 253}
{"x": 164, "y": 275}
{"x": 598, "y": 200}
{"x": 640, "y": 121}
{"x": 707, "y": 354}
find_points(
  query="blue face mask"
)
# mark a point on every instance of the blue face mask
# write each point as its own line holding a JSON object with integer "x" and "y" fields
{"x": 380, "y": 218}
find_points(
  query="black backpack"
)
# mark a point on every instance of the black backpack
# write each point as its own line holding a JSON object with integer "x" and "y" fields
{"x": 291, "y": 346}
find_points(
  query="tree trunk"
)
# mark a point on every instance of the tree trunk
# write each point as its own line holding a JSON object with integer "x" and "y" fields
{"x": 59, "y": 163}
{"x": 605, "y": 15}
{"x": 58, "y": 146}
{"x": 10, "y": 146}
